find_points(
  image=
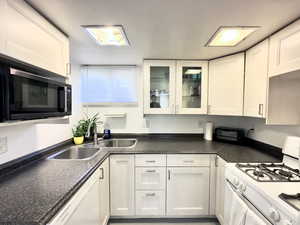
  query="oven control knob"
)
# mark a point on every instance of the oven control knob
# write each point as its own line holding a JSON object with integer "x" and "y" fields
{"x": 242, "y": 187}
{"x": 274, "y": 214}
{"x": 236, "y": 181}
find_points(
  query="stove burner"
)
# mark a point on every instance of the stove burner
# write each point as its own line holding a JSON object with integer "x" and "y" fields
{"x": 258, "y": 173}
{"x": 270, "y": 172}
{"x": 284, "y": 173}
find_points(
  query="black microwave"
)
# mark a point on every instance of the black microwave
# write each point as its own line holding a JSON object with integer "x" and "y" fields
{"x": 26, "y": 96}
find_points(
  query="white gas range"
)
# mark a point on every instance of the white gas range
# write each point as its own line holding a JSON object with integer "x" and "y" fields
{"x": 264, "y": 193}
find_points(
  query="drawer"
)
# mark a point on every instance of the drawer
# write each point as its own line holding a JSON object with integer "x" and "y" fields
{"x": 150, "y": 160}
{"x": 148, "y": 178}
{"x": 150, "y": 203}
{"x": 188, "y": 160}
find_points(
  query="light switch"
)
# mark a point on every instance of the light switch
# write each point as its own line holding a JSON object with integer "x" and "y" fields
{"x": 3, "y": 145}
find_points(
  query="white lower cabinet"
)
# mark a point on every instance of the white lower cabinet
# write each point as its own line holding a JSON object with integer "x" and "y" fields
{"x": 104, "y": 192}
{"x": 220, "y": 189}
{"x": 150, "y": 203}
{"x": 148, "y": 178}
{"x": 84, "y": 207}
{"x": 188, "y": 191}
{"x": 150, "y": 184}
{"x": 122, "y": 185}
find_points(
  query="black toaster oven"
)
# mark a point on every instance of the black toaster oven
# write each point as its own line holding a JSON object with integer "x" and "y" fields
{"x": 229, "y": 134}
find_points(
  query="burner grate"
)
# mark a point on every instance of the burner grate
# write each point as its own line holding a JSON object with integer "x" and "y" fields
{"x": 270, "y": 172}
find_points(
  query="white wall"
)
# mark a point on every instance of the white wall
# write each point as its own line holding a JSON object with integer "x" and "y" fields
{"x": 274, "y": 135}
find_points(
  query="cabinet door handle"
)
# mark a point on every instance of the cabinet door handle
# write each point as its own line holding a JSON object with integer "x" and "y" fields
{"x": 102, "y": 174}
{"x": 150, "y": 194}
{"x": 150, "y": 161}
{"x": 68, "y": 68}
{"x": 208, "y": 109}
{"x": 150, "y": 171}
{"x": 260, "y": 109}
{"x": 216, "y": 161}
{"x": 169, "y": 175}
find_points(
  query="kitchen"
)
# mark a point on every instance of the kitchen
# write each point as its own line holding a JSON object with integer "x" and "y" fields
{"x": 182, "y": 121}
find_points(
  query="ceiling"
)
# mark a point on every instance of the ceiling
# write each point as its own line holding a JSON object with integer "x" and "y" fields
{"x": 165, "y": 29}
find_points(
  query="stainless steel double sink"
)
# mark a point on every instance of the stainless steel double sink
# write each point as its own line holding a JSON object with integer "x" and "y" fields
{"x": 89, "y": 151}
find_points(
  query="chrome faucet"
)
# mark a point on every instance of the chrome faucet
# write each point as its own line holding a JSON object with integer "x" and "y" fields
{"x": 95, "y": 135}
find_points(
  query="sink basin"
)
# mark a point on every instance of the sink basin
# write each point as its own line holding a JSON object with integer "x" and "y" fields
{"x": 118, "y": 143}
{"x": 76, "y": 153}
{"x": 113, "y": 143}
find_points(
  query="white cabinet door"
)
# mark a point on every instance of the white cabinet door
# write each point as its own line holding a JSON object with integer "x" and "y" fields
{"x": 220, "y": 189}
{"x": 150, "y": 203}
{"x": 104, "y": 192}
{"x": 122, "y": 185}
{"x": 285, "y": 50}
{"x": 3, "y": 26}
{"x": 32, "y": 39}
{"x": 226, "y": 85}
{"x": 191, "y": 87}
{"x": 84, "y": 207}
{"x": 150, "y": 178}
{"x": 188, "y": 191}
{"x": 159, "y": 86}
{"x": 256, "y": 78}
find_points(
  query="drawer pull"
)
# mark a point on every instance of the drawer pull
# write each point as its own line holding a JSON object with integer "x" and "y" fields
{"x": 150, "y": 171}
{"x": 102, "y": 173}
{"x": 188, "y": 161}
{"x": 150, "y": 161}
{"x": 150, "y": 194}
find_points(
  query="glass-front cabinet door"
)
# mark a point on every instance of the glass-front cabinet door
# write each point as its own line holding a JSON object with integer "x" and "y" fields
{"x": 191, "y": 87}
{"x": 159, "y": 86}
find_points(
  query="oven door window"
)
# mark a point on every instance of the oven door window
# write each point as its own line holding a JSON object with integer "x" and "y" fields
{"x": 35, "y": 96}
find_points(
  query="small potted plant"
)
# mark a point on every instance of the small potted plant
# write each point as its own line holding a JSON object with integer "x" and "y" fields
{"x": 90, "y": 124}
{"x": 78, "y": 134}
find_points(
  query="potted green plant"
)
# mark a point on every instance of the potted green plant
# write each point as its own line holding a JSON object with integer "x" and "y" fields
{"x": 90, "y": 124}
{"x": 78, "y": 134}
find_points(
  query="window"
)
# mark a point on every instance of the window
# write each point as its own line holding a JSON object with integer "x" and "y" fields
{"x": 109, "y": 85}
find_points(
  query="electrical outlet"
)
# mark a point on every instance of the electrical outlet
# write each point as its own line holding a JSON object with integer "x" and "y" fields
{"x": 3, "y": 145}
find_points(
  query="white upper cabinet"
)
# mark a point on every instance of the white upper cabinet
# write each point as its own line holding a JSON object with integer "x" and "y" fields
{"x": 285, "y": 50}
{"x": 2, "y": 26}
{"x": 32, "y": 39}
{"x": 159, "y": 86}
{"x": 191, "y": 87}
{"x": 226, "y": 85}
{"x": 175, "y": 87}
{"x": 256, "y": 77}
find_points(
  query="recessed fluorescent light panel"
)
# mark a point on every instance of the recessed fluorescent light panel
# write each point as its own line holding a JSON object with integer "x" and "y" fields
{"x": 108, "y": 35}
{"x": 230, "y": 36}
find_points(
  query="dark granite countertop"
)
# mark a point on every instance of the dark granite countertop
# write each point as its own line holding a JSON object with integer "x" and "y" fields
{"x": 34, "y": 193}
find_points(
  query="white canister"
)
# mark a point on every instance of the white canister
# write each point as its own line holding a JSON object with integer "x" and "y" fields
{"x": 208, "y": 132}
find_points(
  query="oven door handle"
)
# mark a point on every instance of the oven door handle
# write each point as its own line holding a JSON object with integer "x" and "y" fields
{"x": 248, "y": 203}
